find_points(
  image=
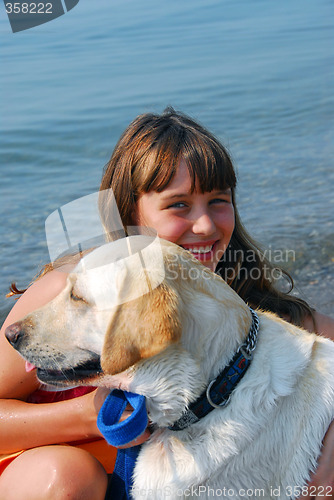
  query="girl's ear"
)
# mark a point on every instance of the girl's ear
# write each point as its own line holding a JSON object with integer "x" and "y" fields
{"x": 140, "y": 329}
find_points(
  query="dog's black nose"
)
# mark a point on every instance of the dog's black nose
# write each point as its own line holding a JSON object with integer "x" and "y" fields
{"x": 13, "y": 333}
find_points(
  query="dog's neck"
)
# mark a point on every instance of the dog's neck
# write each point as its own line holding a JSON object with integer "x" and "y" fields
{"x": 214, "y": 327}
{"x": 220, "y": 390}
{"x": 176, "y": 377}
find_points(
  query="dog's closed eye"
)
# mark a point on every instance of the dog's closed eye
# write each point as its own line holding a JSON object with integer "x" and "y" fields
{"x": 75, "y": 297}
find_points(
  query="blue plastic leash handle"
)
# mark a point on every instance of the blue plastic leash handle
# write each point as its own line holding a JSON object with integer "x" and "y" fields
{"x": 121, "y": 433}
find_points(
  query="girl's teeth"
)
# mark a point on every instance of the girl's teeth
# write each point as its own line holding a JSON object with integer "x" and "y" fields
{"x": 201, "y": 249}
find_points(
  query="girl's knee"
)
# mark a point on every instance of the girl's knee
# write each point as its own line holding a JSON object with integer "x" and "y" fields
{"x": 55, "y": 473}
{"x": 76, "y": 475}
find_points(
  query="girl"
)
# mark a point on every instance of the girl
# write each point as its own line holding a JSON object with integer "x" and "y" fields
{"x": 169, "y": 173}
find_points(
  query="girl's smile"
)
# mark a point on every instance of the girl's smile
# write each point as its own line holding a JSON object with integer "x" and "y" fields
{"x": 202, "y": 223}
{"x": 203, "y": 251}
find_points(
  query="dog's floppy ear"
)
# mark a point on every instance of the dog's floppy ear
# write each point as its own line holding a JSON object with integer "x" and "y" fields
{"x": 140, "y": 329}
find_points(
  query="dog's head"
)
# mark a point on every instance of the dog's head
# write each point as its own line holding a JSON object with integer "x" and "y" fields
{"x": 115, "y": 310}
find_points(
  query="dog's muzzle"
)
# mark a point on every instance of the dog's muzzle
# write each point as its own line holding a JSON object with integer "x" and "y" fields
{"x": 52, "y": 369}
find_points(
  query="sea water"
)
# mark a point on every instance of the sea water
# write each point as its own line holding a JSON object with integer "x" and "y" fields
{"x": 258, "y": 74}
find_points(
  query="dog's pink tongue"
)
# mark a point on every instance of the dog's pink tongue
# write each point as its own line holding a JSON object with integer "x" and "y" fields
{"x": 29, "y": 367}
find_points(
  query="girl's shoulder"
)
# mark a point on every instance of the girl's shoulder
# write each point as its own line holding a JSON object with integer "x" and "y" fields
{"x": 39, "y": 293}
{"x": 324, "y": 324}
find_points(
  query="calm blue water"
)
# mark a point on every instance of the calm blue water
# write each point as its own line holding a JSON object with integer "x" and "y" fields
{"x": 259, "y": 74}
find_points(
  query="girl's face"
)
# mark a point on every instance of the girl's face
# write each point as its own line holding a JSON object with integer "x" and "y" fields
{"x": 202, "y": 223}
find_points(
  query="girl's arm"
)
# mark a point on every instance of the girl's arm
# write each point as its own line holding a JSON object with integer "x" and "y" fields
{"x": 322, "y": 482}
{"x": 25, "y": 425}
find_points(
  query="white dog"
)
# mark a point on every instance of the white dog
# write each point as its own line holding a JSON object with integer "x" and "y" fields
{"x": 164, "y": 326}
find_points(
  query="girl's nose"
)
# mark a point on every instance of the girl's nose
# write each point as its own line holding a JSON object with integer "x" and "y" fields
{"x": 204, "y": 224}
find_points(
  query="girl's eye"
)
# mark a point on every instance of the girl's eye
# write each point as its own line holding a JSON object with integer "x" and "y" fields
{"x": 220, "y": 200}
{"x": 178, "y": 204}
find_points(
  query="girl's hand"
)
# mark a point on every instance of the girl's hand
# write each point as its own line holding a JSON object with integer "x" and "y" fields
{"x": 99, "y": 397}
{"x": 322, "y": 482}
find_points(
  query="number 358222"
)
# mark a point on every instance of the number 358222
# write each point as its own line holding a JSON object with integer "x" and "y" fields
{"x": 28, "y": 8}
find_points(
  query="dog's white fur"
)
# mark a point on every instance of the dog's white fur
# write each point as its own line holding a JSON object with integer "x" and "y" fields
{"x": 168, "y": 345}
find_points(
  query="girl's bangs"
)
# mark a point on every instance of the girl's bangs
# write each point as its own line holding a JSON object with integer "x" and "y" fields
{"x": 209, "y": 164}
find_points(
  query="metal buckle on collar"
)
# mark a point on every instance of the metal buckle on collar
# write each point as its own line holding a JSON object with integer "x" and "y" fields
{"x": 248, "y": 355}
{"x": 208, "y": 397}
